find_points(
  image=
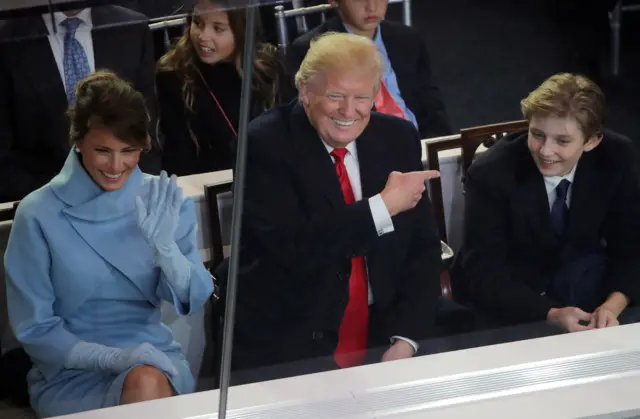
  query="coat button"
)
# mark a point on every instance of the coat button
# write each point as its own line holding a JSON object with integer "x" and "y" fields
{"x": 317, "y": 335}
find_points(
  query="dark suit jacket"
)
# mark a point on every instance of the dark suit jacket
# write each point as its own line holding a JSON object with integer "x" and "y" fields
{"x": 410, "y": 61}
{"x": 511, "y": 252}
{"x": 34, "y": 129}
{"x": 298, "y": 238}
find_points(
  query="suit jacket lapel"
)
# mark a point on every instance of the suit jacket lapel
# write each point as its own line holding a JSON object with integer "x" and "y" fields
{"x": 35, "y": 59}
{"x": 105, "y": 50}
{"x": 373, "y": 164}
{"x": 534, "y": 202}
{"x": 395, "y": 52}
{"x": 314, "y": 157}
{"x": 587, "y": 184}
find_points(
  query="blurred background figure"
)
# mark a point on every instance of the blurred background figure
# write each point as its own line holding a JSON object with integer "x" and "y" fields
{"x": 40, "y": 63}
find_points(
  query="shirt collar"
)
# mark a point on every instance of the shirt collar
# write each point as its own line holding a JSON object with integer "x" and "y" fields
{"x": 351, "y": 147}
{"x": 377, "y": 39}
{"x": 553, "y": 181}
{"x": 59, "y": 17}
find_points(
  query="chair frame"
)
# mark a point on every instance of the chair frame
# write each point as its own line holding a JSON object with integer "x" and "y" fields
{"x": 211, "y": 193}
{"x": 9, "y": 213}
{"x": 615, "y": 23}
{"x": 469, "y": 140}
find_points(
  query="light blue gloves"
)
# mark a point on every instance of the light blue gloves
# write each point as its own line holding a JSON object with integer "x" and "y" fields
{"x": 158, "y": 220}
{"x": 95, "y": 357}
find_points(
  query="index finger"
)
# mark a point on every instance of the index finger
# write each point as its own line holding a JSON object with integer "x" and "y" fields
{"x": 430, "y": 174}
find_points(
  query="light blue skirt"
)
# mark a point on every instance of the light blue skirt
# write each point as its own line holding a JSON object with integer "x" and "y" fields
{"x": 74, "y": 391}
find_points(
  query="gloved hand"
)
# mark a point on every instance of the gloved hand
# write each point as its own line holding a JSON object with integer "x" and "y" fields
{"x": 95, "y": 357}
{"x": 158, "y": 221}
{"x": 143, "y": 354}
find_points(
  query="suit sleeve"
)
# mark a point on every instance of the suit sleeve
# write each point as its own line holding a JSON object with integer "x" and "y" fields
{"x": 11, "y": 164}
{"x": 31, "y": 297}
{"x": 274, "y": 218}
{"x": 144, "y": 82}
{"x": 415, "y": 309}
{"x": 622, "y": 234}
{"x": 200, "y": 283}
{"x": 433, "y": 120}
{"x": 488, "y": 280}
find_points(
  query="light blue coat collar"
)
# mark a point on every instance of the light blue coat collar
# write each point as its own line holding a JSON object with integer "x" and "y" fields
{"x": 86, "y": 200}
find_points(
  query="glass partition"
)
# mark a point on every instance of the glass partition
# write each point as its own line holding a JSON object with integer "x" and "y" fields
{"x": 442, "y": 182}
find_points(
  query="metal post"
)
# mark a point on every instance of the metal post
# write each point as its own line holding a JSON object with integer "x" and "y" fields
{"x": 238, "y": 204}
{"x": 407, "y": 12}
{"x": 615, "y": 20}
{"x": 281, "y": 23}
{"x": 301, "y": 21}
{"x": 167, "y": 39}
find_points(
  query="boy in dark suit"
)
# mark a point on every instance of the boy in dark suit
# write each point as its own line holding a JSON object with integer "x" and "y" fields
{"x": 552, "y": 216}
{"x": 407, "y": 87}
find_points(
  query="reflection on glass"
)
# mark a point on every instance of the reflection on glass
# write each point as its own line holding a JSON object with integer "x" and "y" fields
{"x": 342, "y": 261}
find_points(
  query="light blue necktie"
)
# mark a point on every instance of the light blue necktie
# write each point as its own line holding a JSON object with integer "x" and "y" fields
{"x": 75, "y": 62}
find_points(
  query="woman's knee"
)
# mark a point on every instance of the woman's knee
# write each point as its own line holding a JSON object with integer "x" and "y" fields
{"x": 145, "y": 383}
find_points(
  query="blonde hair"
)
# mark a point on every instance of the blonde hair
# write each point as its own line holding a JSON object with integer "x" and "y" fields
{"x": 341, "y": 52}
{"x": 568, "y": 95}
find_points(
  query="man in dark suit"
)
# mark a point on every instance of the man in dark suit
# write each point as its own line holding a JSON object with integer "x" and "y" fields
{"x": 552, "y": 230}
{"x": 340, "y": 252}
{"x": 407, "y": 78}
{"x": 34, "y": 85}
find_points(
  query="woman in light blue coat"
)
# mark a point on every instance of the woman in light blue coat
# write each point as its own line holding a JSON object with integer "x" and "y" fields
{"x": 91, "y": 256}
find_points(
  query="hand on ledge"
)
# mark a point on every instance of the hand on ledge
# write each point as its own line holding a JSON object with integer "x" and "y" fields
{"x": 399, "y": 350}
{"x": 603, "y": 317}
{"x": 572, "y": 319}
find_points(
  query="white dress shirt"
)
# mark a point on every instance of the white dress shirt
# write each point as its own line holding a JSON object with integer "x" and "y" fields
{"x": 83, "y": 35}
{"x": 379, "y": 212}
{"x": 552, "y": 182}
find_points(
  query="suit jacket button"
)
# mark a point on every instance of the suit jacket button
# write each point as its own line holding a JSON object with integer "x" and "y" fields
{"x": 318, "y": 335}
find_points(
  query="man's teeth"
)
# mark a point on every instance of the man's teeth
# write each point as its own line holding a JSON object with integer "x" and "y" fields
{"x": 113, "y": 176}
{"x": 549, "y": 161}
{"x": 344, "y": 123}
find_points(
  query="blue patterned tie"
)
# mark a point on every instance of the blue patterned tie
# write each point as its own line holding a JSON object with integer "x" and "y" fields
{"x": 560, "y": 210}
{"x": 75, "y": 62}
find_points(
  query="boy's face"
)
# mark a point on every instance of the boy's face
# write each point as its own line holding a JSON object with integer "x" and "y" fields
{"x": 362, "y": 16}
{"x": 556, "y": 144}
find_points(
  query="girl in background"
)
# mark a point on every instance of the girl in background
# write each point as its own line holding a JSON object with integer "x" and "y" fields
{"x": 198, "y": 86}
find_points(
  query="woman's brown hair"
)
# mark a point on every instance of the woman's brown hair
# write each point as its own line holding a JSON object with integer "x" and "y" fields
{"x": 182, "y": 58}
{"x": 104, "y": 100}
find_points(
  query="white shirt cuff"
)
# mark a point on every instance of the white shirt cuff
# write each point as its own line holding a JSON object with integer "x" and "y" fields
{"x": 409, "y": 341}
{"x": 381, "y": 216}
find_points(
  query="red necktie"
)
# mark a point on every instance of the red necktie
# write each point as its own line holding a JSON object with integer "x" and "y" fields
{"x": 385, "y": 103}
{"x": 352, "y": 336}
